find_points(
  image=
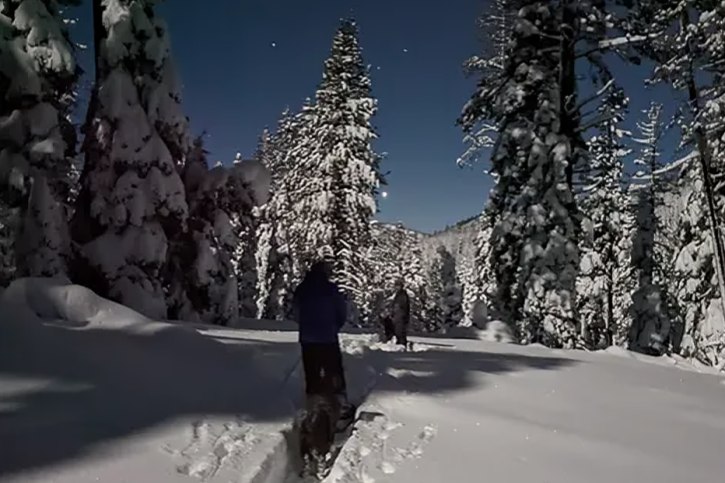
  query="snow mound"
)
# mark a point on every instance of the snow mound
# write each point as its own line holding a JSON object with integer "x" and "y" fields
{"x": 392, "y": 347}
{"x": 368, "y": 451}
{"x": 497, "y": 331}
{"x": 93, "y": 391}
{"x": 72, "y": 305}
{"x": 663, "y": 360}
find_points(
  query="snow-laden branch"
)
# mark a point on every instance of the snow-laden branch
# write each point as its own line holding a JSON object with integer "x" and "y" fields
{"x": 626, "y": 40}
{"x": 666, "y": 169}
{"x": 615, "y": 42}
{"x": 593, "y": 186}
{"x": 596, "y": 122}
{"x": 594, "y": 96}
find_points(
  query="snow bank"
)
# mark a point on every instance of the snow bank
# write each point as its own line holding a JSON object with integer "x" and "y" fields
{"x": 92, "y": 391}
{"x": 673, "y": 360}
{"x": 72, "y": 305}
{"x": 498, "y": 331}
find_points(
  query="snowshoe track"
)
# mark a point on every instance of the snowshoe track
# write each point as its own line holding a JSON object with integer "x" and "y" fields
{"x": 212, "y": 447}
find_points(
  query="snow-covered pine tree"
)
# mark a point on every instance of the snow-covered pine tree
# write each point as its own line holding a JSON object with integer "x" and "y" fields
{"x": 685, "y": 40}
{"x": 38, "y": 73}
{"x": 386, "y": 256}
{"x": 245, "y": 225}
{"x": 335, "y": 202}
{"x": 534, "y": 234}
{"x": 605, "y": 279}
{"x": 650, "y": 321}
{"x": 496, "y": 29}
{"x": 694, "y": 278}
{"x": 265, "y": 152}
{"x": 533, "y": 106}
{"x": 479, "y": 285}
{"x": 205, "y": 285}
{"x": 188, "y": 296}
{"x": 424, "y": 313}
{"x": 387, "y": 251}
{"x": 495, "y": 25}
{"x": 276, "y": 273}
{"x": 712, "y": 332}
{"x": 14, "y": 69}
{"x": 446, "y": 288}
{"x": 433, "y": 297}
{"x": 132, "y": 198}
{"x": 465, "y": 275}
{"x": 396, "y": 255}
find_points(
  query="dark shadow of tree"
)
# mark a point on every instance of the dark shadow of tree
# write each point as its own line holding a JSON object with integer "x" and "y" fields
{"x": 105, "y": 385}
{"x": 438, "y": 370}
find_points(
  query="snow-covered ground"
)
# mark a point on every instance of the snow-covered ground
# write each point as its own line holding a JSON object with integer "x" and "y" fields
{"x": 91, "y": 391}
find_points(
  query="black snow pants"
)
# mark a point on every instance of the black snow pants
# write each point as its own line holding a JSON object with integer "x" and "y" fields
{"x": 401, "y": 332}
{"x": 324, "y": 374}
{"x": 388, "y": 329}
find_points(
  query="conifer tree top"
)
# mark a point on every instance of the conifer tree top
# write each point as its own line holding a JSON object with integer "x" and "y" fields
{"x": 345, "y": 75}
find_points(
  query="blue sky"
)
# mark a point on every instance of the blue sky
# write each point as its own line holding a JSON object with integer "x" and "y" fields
{"x": 242, "y": 62}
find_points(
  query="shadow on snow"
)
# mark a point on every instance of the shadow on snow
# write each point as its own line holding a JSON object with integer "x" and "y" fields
{"x": 97, "y": 386}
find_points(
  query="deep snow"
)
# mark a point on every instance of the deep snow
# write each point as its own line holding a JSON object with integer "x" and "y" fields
{"x": 91, "y": 391}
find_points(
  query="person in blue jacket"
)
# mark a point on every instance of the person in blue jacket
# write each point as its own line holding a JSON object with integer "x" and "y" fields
{"x": 321, "y": 310}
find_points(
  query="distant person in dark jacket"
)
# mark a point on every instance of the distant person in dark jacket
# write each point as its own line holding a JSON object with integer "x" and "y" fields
{"x": 388, "y": 328}
{"x": 321, "y": 310}
{"x": 400, "y": 314}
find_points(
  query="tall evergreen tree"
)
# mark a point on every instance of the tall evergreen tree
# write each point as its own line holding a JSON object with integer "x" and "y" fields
{"x": 533, "y": 105}
{"x": 388, "y": 253}
{"x": 534, "y": 217}
{"x": 276, "y": 273}
{"x": 686, "y": 39}
{"x": 694, "y": 278}
{"x": 396, "y": 256}
{"x": 38, "y": 73}
{"x": 495, "y": 26}
{"x": 446, "y": 288}
{"x": 605, "y": 280}
{"x": 335, "y": 201}
{"x": 650, "y": 324}
{"x": 478, "y": 288}
{"x": 219, "y": 199}
{"x": 132, "y": 198}
{"x": 424, "y": 309}
{"x": 245, "y": 226}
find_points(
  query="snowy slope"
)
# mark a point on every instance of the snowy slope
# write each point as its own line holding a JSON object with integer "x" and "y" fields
{"x": 95, "y": 392}
{"x": 98, "y": 393}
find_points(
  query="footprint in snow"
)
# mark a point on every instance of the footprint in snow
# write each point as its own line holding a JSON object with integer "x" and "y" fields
{"x": 211, "y": 447}
{"x": 428, "y": 433}
{"x": 387, "y": 468}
